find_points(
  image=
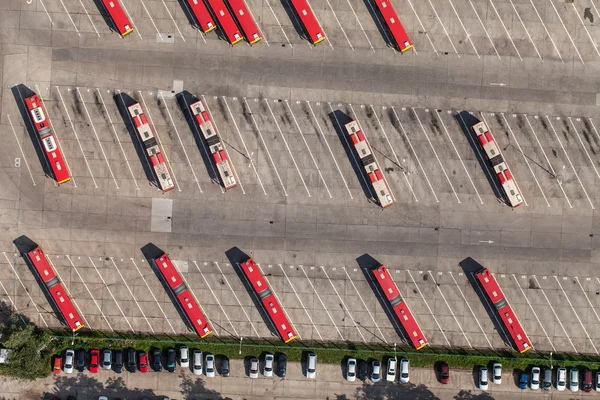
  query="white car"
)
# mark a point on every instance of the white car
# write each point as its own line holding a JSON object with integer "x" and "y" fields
{"x": 253, "y": 368}
{"x": 351, "y": 370}
{"x": 197, "y": 368}
{"x": 69, "y": 360}
{"x": 311, "y": 366}
{"x": 404, "y": 371}
{"x": 209, "y": 367}
{"x": 483, "y": 378}
{"x": 535, "y": 378}
{"x": 391, "y": 370}
{"x": 376, "y": 372}
{"x": 497, "y": 373}
{"x": 184, "y": 357}
{"x": 268, "y": 369}
{"x": 597, "y": 381}
{"x": 574, "y": 380}
{"x": 561, "y": 379}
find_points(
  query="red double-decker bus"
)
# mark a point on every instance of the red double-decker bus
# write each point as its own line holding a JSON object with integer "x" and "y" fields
{"x": 505, "y": 311}
{"x": 205, "y": 20}
{"x": 54, "y": 287}
{"x": 49, "y": 144}
{"x": 268, "y": 299}
{"x": 394, "y": 25}
{"x": 401, "y": 310}
{"x": 163, "y": 176}
{"x": 226, "y": 21}
{"x": 309, "y": 21}
{"x": 216, "y": 146}
{"x": 118, "y": 17}
{"x": 245, "y": 21}
{"x": 184, "y": 295}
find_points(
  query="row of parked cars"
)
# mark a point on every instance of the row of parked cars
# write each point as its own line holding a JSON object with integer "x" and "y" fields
{"x": 538, "y": 379}
{"x": 134, "y": 360}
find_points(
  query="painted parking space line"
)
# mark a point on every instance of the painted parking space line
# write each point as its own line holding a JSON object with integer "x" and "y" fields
{"x": 279, "y": 24}
{"x": 587, "y": 297}
{"x": 360, "y": 25}
{"x": 25, "y": 289}
{"x": 567, "y": 31}
{"x": 70, "y": 18}
{"x": 584, "y": 147}
{"x": 86, "y": 322}
{"x": 151, "y": 20}
{"x": 173, "y": 20}
{"x": 525, "y": 29}
{"x": 423, "y": 27}
{"x": 47, "y": 13}
{"x": 443, "y": 27}
{"x": 585, "y": 27}
{"x": 340, "y": 25}
{"x": 11, "y": 300}
{"x": 545, "y": 29}
{"x": 137, "y": 30}
{"x": 21, "y": 150}
{"x": 505, "y": 29}
{"x": 89, "y": 18}
{"x": 467, "y": 34}
{"x": 484, "y": 29}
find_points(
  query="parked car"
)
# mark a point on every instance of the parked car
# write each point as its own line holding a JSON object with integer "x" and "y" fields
{"x": 483, "y": 378}
{"x": 131, "y": 360}
{"x": 311, "y": 366}
{"x": 171, "y": 359}
{"x": 156, "y": 361}
{"x": 574, "y": 380}
{"x": 281, "y": 365}
{"x": 143, "y": 361}
{"x": 587, "y": 381}
{"x": 497, "y": 373}
{"x": 561, "y": 379}
{"x": 225, "y": 366}
{"x": 56, "y": 368}
{"x": 268, "y": 369}
{"x": 253, "y": 368}
{"x": 118, "y": 361}
{"x": 363, "y": 370}
{"x": 184, "y": 358}
{"x": 351, "y": 370}
{"x": 197, "y": 367}
{"x": 106, "y": 359}
{"x": 375, "y": 371}
{"x": 444, "y": 373}
{"x": 404, "y": 371}
{"x": 94, "y": 360}
{"x": 391, "y": 370}
{"x": 535, "y": 378}
{"x": 547, "y": 385}
{"x": 598, "y": 381}
{"x": 209, "y": 368}
{"x": 69, "y": 361}
{"x": 80, "y": 360}
{"x": 523, "y": 380}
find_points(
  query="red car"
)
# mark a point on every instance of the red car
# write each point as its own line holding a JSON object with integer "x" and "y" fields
{"x": 444, "y": 373}
{"x": 57, "y": 364}
{"x": 94, "y": 359}
{"x": 143, "y": 362}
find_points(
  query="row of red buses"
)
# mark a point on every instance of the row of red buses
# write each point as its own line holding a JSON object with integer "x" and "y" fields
{"x": 184, "y": 295}
{"x": 151, "y": 146}
{"x": 118, "y": 17}
{"x": 401, "y": 310}
{"x": 42, "y": 126}
{"x": 495, "y": 158}
{"x": 205, "y": 20}
{"x": 213, "y": 140}
{"x": 226, "y": 22}
{"x": 268, "y": 299}
{"x": 505, "y": 311}
{"x": 309, "y": 21}
{"x": 245, "y": 21}
{"x": 394, "y": 25}
{"x": 52, "y": 285}
{"x": 369, "y": 164}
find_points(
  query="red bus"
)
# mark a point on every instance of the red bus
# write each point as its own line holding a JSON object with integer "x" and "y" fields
{"x": 309, "y": 21}
{"x": 406, "y": 318}
{"x": 268, "y": 299}
{"x": 226, "y": 21}
{"x": 370, "y": 165}
{"x": 118, "y": 17}
{"x": 184, "y": 295}
{"x": 54, "y": 287}
{"x": 245, "y": 21}
{"x": 42, "y": 126}
{"x": 394, "y": 25}
{"x": 201, "y": 13}
{"x": 494, "y": 156}
{"x": 217, "y": 149}
{"x": 163, "y": 177}
{"x": 505, "y": 311}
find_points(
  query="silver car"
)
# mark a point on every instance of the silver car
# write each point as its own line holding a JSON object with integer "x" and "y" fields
{"x": 497, "y": 373}
{"x": 376, "y": 372}
{"x": 209, "y": 368}
{"x": 106, "y": 359}
{"x": 268, "y": 369}
{"x": 184, "y": 357}
{"x": 253, "y": 369}
{"x": 351, "y": 370}
{"x": 69, "y": 360}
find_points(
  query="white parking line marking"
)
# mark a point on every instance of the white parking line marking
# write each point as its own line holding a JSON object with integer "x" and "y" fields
{"x": 286, "y": 145}
{"x": 279, "y": 24}
{"x": 92, "y": 297}
{"x": 449, "y": 308}
{"x": 48, "y": 14}
{"x": 380, "y": 26}
{"x": 25, "y": 289}
{"x": 365, "y": 305}
{"x": 248, "y": 155}
{"x": 444, "y": 28}
{"x": 172, "y": 19}
{"x": 569, "y": 159}
{"x": 429, "y": 308}
{"x": 525, "y": 29}
{"x": 322, "y": 304}
{"x": 588, "y": 299}
{"x": 394, "y": 153}
{"x": 468, "y": 35}
{"x": 506, "y": 30}
{"x": 55, "y": 134}
{"x": 76, "y": 136}
{"x": 235, "y": 296}
{"x": 423, "y": 28}
{"x": 309, "y": 151}
{"x": 10, "y": 298}
{"x": 180, "y": 142}
{"x": 69, "y": 15}
{"x": 359, "y": 24}
{"x": 150, "y": 16}
{"x": 164, "y": 151}
{"x": 546, "y": 29}
{"x": 97, "y": 137}
{"x": 586, "y": 29}
{"x": 470, "y": 309}
{"x": 340, "y": 25}
{"x": 484, "y": 29}
{"x": 265, "y": 146}
{"x": 576, "y": 314}
{"x": 152, "y": 293}
{"x": 300, "y": 301}
{"x": 584, "y": 147}
{"x": 567, "y": 31}
{"x": 111, "y": 295}
{"x": 329, "y": 148}
{"x": 68, "y": 292}
{"x": 343, "y": 305}
{"x": 549, "y": 164}
{"x": 533, "y": 311}
{"x": 218, "y": 302}
{"x": 131, "y": 19}
{"x": 21, "y": 150}
{"x": 90, "y": 18}
{"x": 258, "y": 27}
{"x": 117, "y": 138}
{"x": 415, "y": 154}
{"x": 435, "y": 153}
{"x": 594, "y": 126}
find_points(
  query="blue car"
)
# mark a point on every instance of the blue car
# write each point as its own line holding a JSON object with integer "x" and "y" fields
{"x": 523, "y": 381}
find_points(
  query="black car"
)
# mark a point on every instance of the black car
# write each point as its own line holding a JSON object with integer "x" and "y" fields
{"x": 156, "y": 362}
{"x": 80, "y": 360}
{"x": 225, "y": 366}
{"x": 118, "y": 365}
{"x": 363, "y": 368}
{"x": 281, "y": 365}
{"x": 131, "y": 360}
{"x": 171, "y": 360}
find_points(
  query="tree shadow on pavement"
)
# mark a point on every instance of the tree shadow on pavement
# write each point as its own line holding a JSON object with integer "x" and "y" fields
{"x": 193, "y": 388}
{"x": 468, "y": 395}
{"x": 369, "y": 391}
{"x": 86, "y": 386}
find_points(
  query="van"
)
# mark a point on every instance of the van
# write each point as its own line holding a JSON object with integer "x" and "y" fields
{"x": 483, "y": 378}
{"x": 404, "y": 371}
{"x": 587, "y": 381}
{"x": 561, "y": 379}
{"x": 311, "y": 365}
{"x": 547, "y": 379}
{"x": 574, "y": 380}
{"x": 197, "y": 367}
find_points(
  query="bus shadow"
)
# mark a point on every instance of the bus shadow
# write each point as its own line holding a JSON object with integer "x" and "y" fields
{"x": 107, "y": 19}
{"x": 20, "y": 92}
{"x": 293, "y": 16}
{"x": 189, "y": 14}
{"x": 381, "y": 24}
